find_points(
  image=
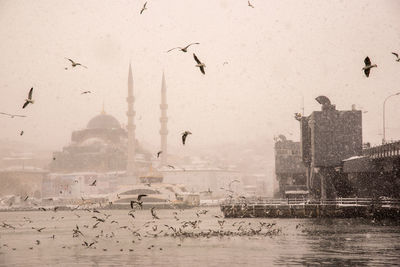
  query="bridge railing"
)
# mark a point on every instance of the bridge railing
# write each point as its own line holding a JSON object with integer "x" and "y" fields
{"x": 302, "y": 201}
{"x": 383, "y": 151}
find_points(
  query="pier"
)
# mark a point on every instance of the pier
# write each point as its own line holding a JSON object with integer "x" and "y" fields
{"x": 302, "y": 208}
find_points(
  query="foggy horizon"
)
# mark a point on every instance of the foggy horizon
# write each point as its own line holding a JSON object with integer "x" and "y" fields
{"x": 210, "y": 180}
{"x": 277, "y": 54}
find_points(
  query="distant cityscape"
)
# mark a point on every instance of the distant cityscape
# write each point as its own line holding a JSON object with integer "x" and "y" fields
{"x": 110, "y": 154}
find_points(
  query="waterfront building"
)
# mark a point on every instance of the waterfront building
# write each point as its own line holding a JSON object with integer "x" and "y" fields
{"x": 290, "y": 171}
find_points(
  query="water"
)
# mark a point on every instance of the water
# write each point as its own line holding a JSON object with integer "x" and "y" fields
{"x": 339, "y": 242}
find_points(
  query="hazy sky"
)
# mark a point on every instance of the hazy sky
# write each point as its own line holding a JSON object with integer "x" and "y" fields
{"x": 277, "y": 53}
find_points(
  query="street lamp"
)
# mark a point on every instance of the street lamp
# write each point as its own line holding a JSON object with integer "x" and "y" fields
{"x": 384, "y": 103}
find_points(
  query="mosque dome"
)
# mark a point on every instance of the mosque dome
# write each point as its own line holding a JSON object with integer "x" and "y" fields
{"x": 103, "y": 121}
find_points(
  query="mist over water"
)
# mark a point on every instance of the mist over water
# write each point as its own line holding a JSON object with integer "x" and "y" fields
{"x": 264, "y": 61}
{"x": 300, "y": 241}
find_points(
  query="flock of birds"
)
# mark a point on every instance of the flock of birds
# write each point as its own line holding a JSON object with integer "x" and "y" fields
{"x": 30, "y": 100}
{"x": 95, "y": 229}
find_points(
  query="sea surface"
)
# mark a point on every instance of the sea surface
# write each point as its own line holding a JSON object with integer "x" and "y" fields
{"x": 204, "y": 239}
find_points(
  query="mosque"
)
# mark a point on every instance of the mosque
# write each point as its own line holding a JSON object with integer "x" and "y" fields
{"x": 110, "y": 155}
{"x": 104, "y": 146}
{"x": 104, "y": 151}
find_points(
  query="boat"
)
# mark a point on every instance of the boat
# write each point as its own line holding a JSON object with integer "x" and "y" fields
{"x": 158, "y": 194}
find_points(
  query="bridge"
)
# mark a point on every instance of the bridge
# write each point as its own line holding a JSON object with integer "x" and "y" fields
{"x": 307, "y": 208}
{"x": 383, "y": 151}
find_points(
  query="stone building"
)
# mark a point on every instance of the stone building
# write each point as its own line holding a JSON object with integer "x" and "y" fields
{"x": 327, "y": 138}
{"x": 104, "y": 146}
{"x": 290, "y": 171}
{"x": 100, "y": 147}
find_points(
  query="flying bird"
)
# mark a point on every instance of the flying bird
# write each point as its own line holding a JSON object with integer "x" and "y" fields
{"x": 39, "y": 229}
{"x": 249, "y": 4}
{"x": 143, "y": 8}
{"x": 397, "y": 56}
{"x": 29, "y": 100}
{"x": 131, "y": 213}
{"x": 76, "y": 232}
{"x": 158, "y": 153}
{"x": 170, "y": 166}
{"x": 184, "y": 135}
{"x": 368, "y": 66}
{"x": 138, "y": 201}
{"x": 94, "y": 183}
{"x": 183, "y": 49}
{"x": 12, "y": 115}
{"x": 74, "y": 64}
{"x": 153, "y": 213}
{"x": 85, "y": 92}
{"x": 21, "y": 133}
{"x": 199, "y": 64}
{"x": 87, "y": 244}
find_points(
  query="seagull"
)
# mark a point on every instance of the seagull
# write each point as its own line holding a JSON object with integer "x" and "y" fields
{"x": 158, "y": 153}
{"x": 39, "y": 229}
{"x": 170, "y": 166}
{"x": 94, "y": 183}
{"x": 21, "y": 133}
{"x": 76, "y": 232}
{"x": 74, "y": 64}
{"x": 143, "y": 8}
{"x": 138, "y": 201}
{"x": 12, "y": 115}
{"x": 87, "y": 244}
{"x": 184, "y": 135}
{"x": 6, "y": 225}
{"x": 199, "y": 64}
{"x": 131, "y": 213}
{"x": 368, "y": 66}
{"x": 29, "y": 100}
{"x": 85, "y": 92}
{"x": 153, "y": 213}
{"x": 397, "y": 56}
{"x": 183, "y": 49}
{"x": 26, "y": 198}
{"x": 249, "y": 4}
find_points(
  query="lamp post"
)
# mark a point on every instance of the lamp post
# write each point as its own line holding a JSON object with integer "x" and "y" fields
{"x": 384, "y": 128}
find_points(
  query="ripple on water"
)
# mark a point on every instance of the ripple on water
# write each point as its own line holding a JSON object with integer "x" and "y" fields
{"x": 233, "y": 242}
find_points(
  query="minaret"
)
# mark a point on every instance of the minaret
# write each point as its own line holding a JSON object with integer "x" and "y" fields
{"x": 163, "y": 120}
{"x": 130, "y": 168}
